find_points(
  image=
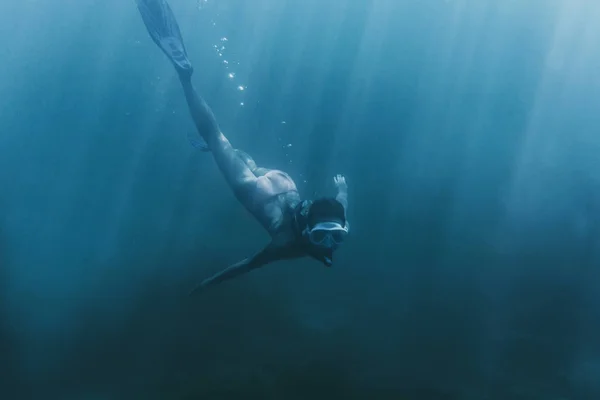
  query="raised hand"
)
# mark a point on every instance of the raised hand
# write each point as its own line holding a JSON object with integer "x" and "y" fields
{"x": 340, "y": 183}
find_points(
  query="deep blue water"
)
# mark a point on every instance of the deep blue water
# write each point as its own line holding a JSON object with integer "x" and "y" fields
{"x": 467, "y": 130}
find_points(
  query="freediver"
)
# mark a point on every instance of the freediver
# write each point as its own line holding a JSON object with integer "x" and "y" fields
{"x": 298, "y": 228}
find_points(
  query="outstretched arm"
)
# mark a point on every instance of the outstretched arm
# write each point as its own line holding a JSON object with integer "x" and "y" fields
{"x": 342, "y": 187}
{"x": 267, "y": 255}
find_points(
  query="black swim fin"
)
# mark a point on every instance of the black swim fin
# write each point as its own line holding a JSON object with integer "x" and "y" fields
{"x": 198, "y": 142}
{"x": 164, "y": 30}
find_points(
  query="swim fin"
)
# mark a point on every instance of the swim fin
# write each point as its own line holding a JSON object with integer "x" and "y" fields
{"x": 197, "y": 142}
{"x": 164, "y": 31}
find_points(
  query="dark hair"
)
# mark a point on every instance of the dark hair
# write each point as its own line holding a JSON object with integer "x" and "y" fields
{"x": 326, "y": 209}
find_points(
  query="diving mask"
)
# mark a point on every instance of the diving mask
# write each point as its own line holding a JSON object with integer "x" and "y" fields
{"x": 327, "y": 234}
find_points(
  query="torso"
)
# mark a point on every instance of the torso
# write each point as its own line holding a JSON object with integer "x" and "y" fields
{"x": 273, "y": 203}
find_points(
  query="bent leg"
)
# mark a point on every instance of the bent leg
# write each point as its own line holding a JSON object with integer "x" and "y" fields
{"x": 164, "y": 31}
{"x": 234, "y": 168}
{"x": 257, "y": 171}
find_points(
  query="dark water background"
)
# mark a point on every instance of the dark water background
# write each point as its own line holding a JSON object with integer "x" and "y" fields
{"x": 468, "y": 132}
